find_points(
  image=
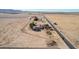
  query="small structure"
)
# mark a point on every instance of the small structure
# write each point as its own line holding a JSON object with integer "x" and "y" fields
{"x": 41, "y": 27}
{"x": 36, "y": 28}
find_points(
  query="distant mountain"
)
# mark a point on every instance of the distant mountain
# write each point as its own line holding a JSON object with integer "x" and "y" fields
{"x": 10, "y": 11}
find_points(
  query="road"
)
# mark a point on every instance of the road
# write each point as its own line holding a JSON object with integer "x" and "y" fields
{"x": 61, "y": 34}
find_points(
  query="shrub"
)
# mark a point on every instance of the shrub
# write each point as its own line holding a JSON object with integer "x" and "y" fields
{"x": 32, "y": 24}
{"x": 52, "y": 43}
{"x": 49, "y": 33}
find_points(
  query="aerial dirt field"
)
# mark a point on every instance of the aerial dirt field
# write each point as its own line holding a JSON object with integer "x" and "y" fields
{"x": 16, "y": 33}
{"x": 69, "y": 24}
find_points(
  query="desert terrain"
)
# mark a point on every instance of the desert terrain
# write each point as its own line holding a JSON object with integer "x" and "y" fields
{"x": 69, "y": 24}
{"x": 15, "y": 31}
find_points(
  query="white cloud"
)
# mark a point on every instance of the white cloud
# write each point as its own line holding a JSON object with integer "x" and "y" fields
{"x": 39, "y": 4}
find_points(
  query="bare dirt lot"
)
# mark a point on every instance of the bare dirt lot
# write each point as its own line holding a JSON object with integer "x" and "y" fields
{"x": 11, "y": 34}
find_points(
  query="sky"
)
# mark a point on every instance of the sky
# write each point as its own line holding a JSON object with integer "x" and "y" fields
{"x": 53, "y": 10}
{"x": 41, "y": 5}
